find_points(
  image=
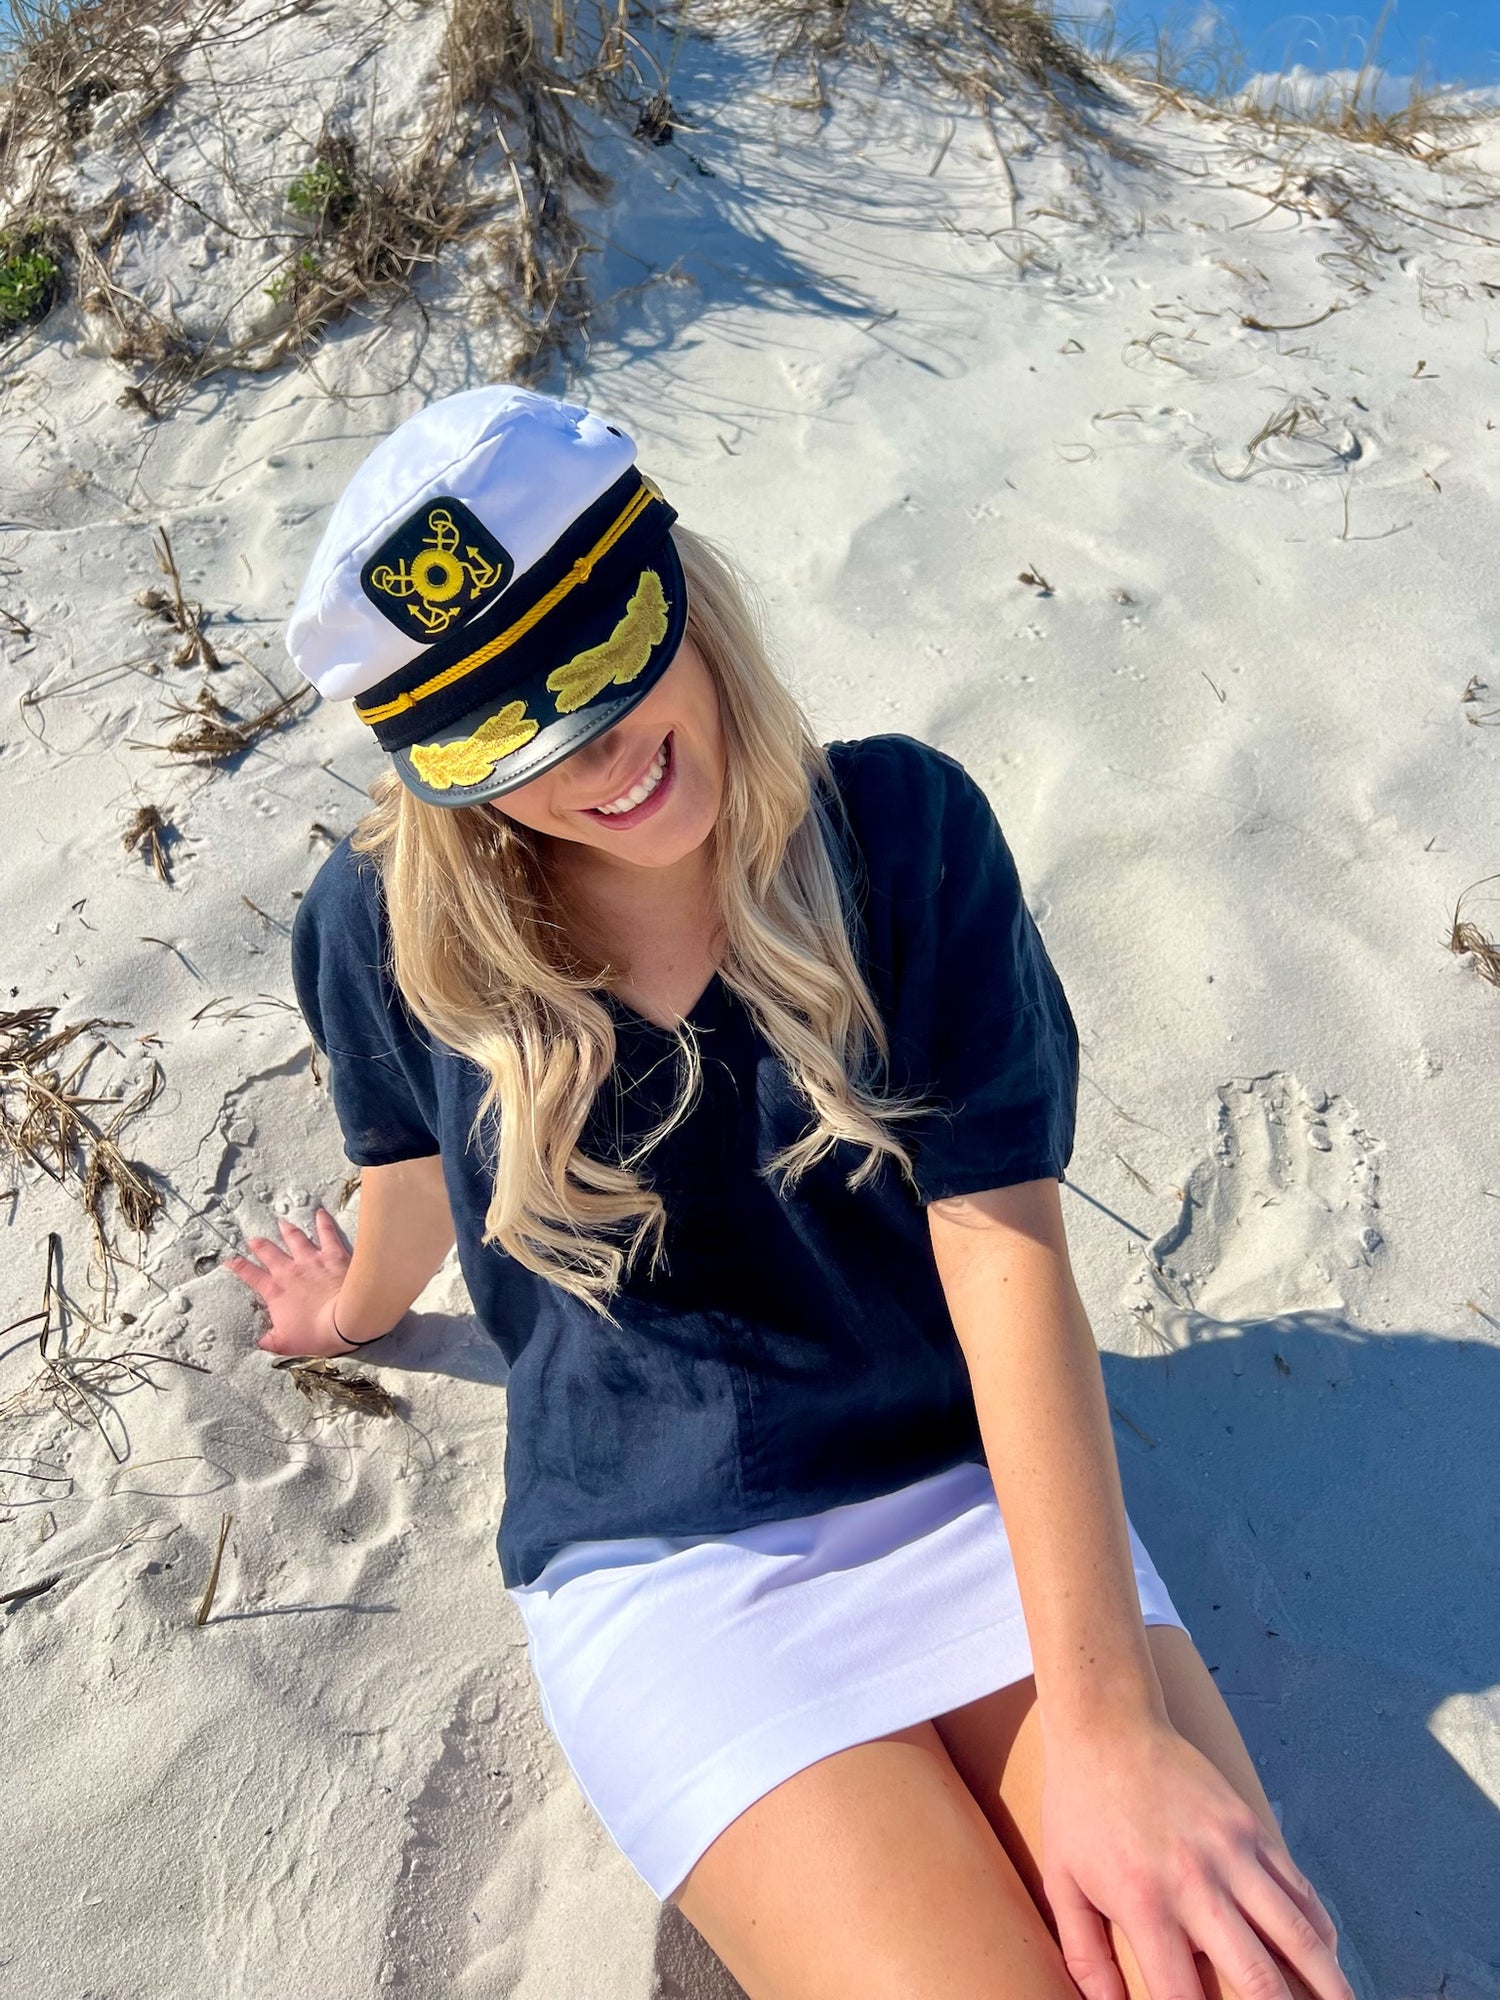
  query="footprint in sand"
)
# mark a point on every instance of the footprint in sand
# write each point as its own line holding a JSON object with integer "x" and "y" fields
{"x": 469, "y": 1881}
{"x": 1282, "y": 1216}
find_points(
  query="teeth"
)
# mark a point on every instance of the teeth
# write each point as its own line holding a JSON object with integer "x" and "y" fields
{"x": 641, "y": 792}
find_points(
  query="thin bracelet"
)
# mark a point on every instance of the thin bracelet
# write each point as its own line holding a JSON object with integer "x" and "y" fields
{"x": 333, "y": 1319}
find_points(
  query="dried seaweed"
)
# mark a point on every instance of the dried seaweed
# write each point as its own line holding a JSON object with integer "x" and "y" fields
{"x": 318, "y": 1378}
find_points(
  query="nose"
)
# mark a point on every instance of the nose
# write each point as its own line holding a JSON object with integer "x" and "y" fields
{"x": 603, "y": 749}
{"x": 599, "y": 756}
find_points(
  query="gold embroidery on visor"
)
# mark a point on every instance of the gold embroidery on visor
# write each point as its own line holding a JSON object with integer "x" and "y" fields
{"x": 621, "y": 656}
{"x": 470, "y": 759}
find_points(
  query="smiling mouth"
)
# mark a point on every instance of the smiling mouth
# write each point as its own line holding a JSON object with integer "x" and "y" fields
{"x": 624, "y": 808}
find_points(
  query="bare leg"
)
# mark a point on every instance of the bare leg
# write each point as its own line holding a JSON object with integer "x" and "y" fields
{"x": 873, "y": 1875}
{"x": 996, "y": 1746}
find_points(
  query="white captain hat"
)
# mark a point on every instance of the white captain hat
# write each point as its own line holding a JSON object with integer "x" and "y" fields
{"x": 496, "y": 586}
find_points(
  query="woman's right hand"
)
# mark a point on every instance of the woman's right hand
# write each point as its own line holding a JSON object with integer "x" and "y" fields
{"x": 299, "y": 1283}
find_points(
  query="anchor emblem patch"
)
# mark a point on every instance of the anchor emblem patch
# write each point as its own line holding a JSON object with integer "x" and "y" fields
{"x": 438, "y": 570}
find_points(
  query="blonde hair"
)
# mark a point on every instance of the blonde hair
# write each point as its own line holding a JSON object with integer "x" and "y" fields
{"x": 483, "y": 954}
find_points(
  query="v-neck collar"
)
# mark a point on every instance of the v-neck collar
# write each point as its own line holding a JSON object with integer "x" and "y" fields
{"x": 696, "y": 1016}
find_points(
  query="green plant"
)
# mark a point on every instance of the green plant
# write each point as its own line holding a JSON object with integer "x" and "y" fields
{"x": 29, "y": 278}
{"x": 304, "y": 269}
{"x": 324, "y": 195}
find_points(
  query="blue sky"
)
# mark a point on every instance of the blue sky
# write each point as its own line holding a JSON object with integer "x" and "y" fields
{"x": 1450, "y": 44}
{"x": 1447, "y": 43}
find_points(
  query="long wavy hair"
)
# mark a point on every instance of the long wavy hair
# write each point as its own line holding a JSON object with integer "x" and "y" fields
{"x": 484, "y": 955}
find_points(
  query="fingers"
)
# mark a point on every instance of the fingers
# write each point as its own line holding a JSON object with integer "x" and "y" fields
{"x": 1167, "y": 1964}
{"x": 1288, "y": 1927}
{"x": 248, "y": 1272}
{"x": 330, "y": 1236}
{"x": 299, "y": 1247}
{"x": 1241, "y": 1958}
{"x": 295, "y": 1246}
{"x": 270, "y": 1254}
{"x": 1085, "y": 1945}
{"x": 1280, "y": 1865}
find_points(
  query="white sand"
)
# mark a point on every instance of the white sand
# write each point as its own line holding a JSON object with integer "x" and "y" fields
{"x": 1230, "y": 751}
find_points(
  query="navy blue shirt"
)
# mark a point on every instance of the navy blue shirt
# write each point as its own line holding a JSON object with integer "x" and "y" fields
{"x": 790, "y": 1353}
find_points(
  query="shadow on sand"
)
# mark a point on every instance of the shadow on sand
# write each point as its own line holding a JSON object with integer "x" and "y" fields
{"x": 1324, "y": 1505}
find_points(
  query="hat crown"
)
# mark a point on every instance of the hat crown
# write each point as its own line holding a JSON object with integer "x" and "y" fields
{"x": 525, "y": 465}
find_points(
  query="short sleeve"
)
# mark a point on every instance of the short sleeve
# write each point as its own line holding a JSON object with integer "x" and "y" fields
{"x": 380, "y": 1070}
{"x": 979, "y": 1023}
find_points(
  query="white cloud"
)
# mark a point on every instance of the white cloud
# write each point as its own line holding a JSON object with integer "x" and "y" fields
{"x": 1299, "y": 89}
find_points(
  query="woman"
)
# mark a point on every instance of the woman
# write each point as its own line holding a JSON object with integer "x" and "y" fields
{"x": 738, "y": 1072}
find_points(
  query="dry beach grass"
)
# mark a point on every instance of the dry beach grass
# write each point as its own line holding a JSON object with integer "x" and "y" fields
{"x": 372, "y": 214}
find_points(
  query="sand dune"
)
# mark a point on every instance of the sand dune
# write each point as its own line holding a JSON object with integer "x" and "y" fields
{"x": 1151, "y": 470}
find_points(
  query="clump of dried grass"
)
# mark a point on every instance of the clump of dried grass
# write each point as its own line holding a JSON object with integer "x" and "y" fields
{"x": 493, "y": 56}
{"x": 49, "y": 1121}
{"x": 211, "y": 734}
{"x": 383, "y": 223}
{"x": 374, "y": 221}
{"x": 376, "y": 226}
{"x": 1466, "y": 939}
{"x": 60, "y": 59}
{"x": 1426, "y": 125}
{"x": 321, "y": 1380}
{"x": 79, "y": 1387}
{"x": 148, "y": 833}
{"x": 183, "y": 614}
{"x": 1199, "y": 72}
{"x": 1010, "y": 54}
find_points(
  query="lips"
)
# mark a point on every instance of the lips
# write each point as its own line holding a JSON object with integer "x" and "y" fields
{"x": 644, "y": 797}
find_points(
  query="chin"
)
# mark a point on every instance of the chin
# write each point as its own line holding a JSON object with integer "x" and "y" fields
{"x": 683, "y": 828}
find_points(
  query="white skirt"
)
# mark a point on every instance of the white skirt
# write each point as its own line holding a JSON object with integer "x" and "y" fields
{"x": 684, "y": 1677}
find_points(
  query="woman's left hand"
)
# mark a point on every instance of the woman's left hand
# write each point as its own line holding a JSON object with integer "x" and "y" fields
{"x": 1140, "y": 1826}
